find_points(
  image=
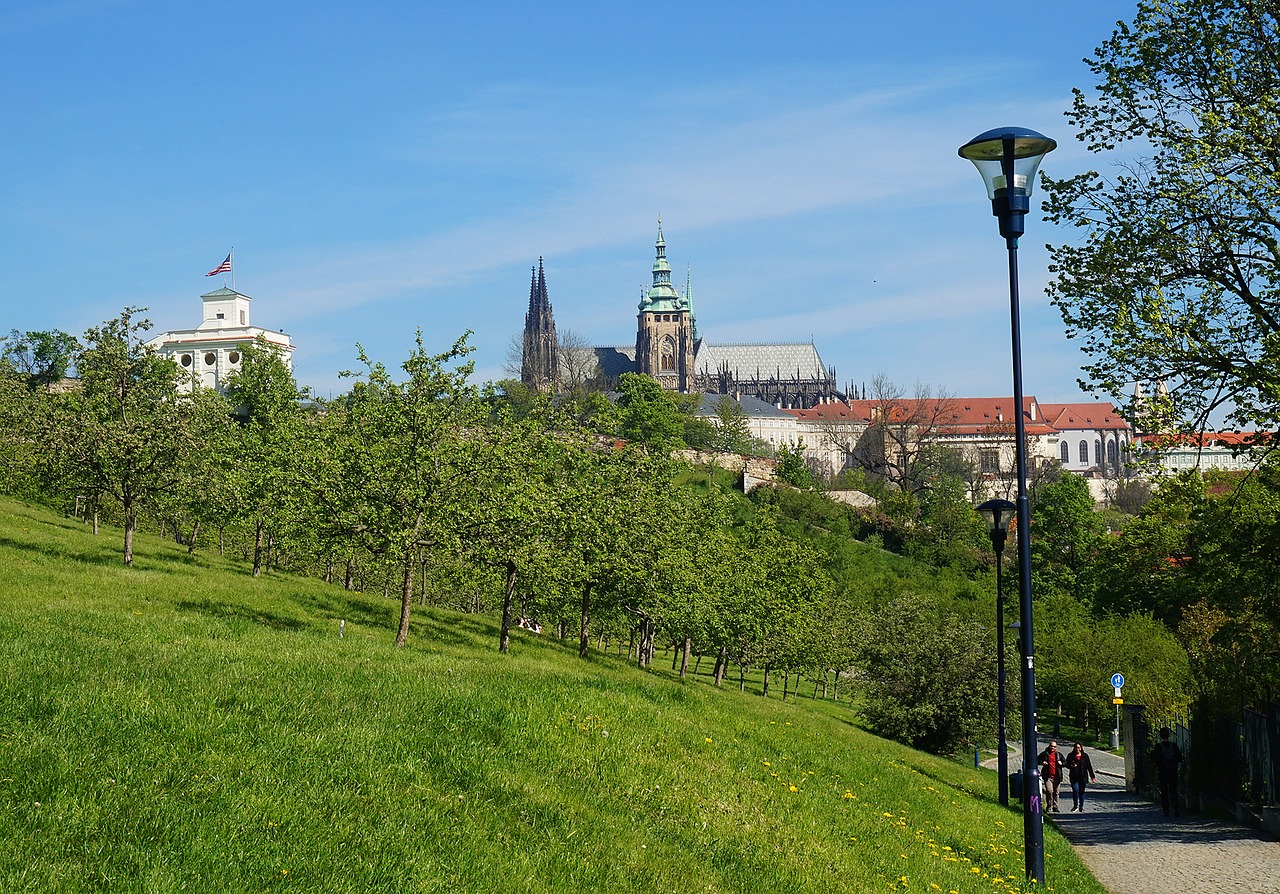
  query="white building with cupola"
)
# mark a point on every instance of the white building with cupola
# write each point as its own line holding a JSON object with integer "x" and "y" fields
{"x": 212, "y": 351}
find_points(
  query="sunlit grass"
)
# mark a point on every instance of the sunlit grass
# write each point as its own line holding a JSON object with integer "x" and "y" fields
{"x": 180, "y": 725}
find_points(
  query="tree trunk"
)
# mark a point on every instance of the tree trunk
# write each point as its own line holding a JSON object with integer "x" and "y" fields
{"x": 504, "y": 637}
{"x": 195, "y": 532}
{"x": 766, "y": 682}
{"x": 350, "y": 583}
{"x": 722, "y": 665}
{"x": 583, "y": 631}
{"x": 786, "y": 682}
{"x": 130, "y": 523}
{"x": 406, "y": 600}
{"x": 684, "y": 663}
{"x": 259, "y": 539}
{"x": 742, "y": 678}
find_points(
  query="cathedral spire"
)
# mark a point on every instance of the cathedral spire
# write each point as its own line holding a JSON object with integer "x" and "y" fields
{"x": 540, "y": 361}
{"x": 662, "y": 295}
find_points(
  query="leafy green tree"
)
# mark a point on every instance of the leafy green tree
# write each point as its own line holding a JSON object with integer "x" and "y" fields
{"x": 522, "y": 467}
{"x": 648, "y": 414}
{"x": 950, "y": 532}
{"x": 1143, "y": 569}
{"x": 1065, "y": 534}
{"x": 792, "y": 468}
{"x": 1175, "y": 277}
{"x": 40, "y": 359}
{"x": 207, "y": 479}
{"x": 125, "y": 432}
{"x": 400, "y": 481}
{"x": 19, "y": 450}
{"x": 608, "y": 520}
{"x": 730, "y": 424}
{"x": 929, "y": 675}
{"x": 1233, "y": 622}
{"x": 267, "y": 402}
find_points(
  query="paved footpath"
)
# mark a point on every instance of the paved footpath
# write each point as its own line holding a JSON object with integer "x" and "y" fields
{"x": 1132, "y": 848}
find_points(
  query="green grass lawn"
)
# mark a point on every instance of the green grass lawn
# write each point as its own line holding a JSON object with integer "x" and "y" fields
{"x": 179, "y": 725}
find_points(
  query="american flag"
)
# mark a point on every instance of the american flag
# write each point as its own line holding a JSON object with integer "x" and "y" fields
{"x": 224, "y": 267}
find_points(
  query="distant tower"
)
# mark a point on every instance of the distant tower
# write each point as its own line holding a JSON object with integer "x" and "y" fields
{"x": 664, "y": 329}
{"x": 540, "y": 362}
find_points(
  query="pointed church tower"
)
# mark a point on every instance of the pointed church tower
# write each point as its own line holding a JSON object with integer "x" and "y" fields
{"x": 540, "y": 362}
{"x": 664, "y": 329}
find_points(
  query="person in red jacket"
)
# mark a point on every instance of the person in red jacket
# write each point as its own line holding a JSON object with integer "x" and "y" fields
{"x": 1051, "y": 763}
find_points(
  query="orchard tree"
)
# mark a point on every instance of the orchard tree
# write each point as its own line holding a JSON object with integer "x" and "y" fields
{"x": 401, "y": 479}
{"x": 126, "y": 432}
{"x": 267, "y": 403}
{"x": 1175, "y": 275}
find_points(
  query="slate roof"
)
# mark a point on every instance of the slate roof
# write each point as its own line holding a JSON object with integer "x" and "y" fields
{"x": 754, "y": 407}
{"x": 789, "y": 362}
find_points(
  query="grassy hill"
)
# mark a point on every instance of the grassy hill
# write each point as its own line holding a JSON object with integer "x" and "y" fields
{"x": 179, "y": 725}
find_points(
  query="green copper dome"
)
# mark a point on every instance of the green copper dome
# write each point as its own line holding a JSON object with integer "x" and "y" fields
{"x": 662, "y": 296}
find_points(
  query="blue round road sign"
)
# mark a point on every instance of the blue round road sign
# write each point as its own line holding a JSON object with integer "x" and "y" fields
{"x": 1117, "y": 680}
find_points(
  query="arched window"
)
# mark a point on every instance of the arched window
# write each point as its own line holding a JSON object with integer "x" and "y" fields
{"x": 1065, "y": 451}
{"x": 1113, "y": 455}
{"x": 1097, "y": 451}
{"x": 667, "y": 355}
{"x": 1084, "y": 453}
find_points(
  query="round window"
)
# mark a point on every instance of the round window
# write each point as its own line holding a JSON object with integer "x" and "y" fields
{"x": 186, "y": 359}
{"x": 234, "y": 357}
{"x": 210, "y": 358}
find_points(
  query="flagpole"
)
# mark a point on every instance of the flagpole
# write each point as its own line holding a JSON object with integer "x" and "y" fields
{"x": 232, "y": 256}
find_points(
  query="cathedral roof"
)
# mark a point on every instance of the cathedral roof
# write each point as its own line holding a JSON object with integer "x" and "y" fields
{"x": 763, "y": 361}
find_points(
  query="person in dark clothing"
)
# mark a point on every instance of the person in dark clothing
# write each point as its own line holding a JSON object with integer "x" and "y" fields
{"x": 1166, "y": 756}
{"x": 1080, "y": 772}
{"x": 1051, "y": 760}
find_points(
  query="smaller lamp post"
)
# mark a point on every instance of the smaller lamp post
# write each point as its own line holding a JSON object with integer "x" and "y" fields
{"x": 999, "y": 513}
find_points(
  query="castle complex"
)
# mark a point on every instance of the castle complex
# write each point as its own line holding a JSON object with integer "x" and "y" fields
{"x": 669, "y": 348}
{"x": 790, "y": 397}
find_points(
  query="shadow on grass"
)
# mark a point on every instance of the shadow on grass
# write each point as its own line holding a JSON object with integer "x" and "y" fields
{"x": 231, "y": 612}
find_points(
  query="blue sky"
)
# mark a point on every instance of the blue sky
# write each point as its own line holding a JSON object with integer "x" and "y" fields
{"x": 381, "y": 167}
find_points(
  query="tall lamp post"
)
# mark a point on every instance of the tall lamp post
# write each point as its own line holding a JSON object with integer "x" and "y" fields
{"x": 1007, "y": 158}
{"x": 998, "y": 514}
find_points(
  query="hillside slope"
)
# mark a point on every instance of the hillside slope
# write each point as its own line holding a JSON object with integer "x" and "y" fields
{"x": 180, "y": 725}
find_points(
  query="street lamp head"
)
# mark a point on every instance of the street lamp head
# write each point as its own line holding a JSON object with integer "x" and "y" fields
{"x": 1008, "y": 158}
{"x": 999, "y": 514}
{"x": 1016, "y": 147}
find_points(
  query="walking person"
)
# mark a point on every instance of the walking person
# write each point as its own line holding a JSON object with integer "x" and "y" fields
{"x": 1052, "y": 761}
{"x": 1080, "y": 773}
{"x": 1167, "y": 756}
